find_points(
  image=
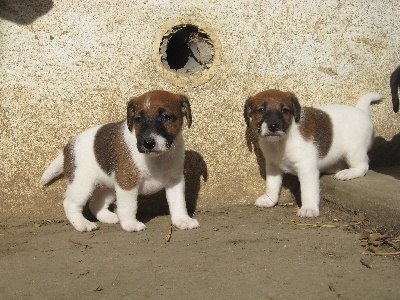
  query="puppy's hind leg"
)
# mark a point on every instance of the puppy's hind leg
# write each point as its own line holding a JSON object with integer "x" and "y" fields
{"x": 76, "y": 197}
{"x": 101, "y": 200}
{"x": 358, "y": 166}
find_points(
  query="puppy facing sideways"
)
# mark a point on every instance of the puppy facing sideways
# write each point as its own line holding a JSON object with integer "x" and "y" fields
{"x": 119, "y": 161}
{"x": 307, "y": 141}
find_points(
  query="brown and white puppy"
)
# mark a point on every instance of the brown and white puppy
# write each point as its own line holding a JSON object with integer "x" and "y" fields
{"x": 307, "y": 141}
{"x": 119, "y": 161}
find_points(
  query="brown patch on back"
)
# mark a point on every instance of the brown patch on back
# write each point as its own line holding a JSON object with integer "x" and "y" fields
{"x": 113, "y": 155}
{"x": 69, "y": 161}
{"x": 317, "y": 126}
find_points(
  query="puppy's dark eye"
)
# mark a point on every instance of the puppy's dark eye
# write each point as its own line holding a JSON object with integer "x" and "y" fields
{"x": 260, "y": 110}
{"x": 285, "y": 110}
{"x": 166, "y": 118}
{"x": 138, "y": 119}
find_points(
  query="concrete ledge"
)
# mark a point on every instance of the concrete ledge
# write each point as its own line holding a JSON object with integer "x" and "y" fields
{"x": 377, "y": 194}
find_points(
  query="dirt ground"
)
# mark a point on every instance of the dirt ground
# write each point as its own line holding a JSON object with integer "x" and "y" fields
{"x": 240, "y": 252}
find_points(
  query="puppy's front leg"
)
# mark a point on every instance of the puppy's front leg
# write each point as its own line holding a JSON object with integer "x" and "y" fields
{"x": 273, "y": 186}
{"x": 175, "y": 192}
{"x": 127, "y": 209}
{"x": 309, "y": 186}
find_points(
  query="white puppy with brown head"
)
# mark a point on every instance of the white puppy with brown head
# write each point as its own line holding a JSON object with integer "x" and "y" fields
{"x": 142, "y": 154}
{"x": 307, "y": 141}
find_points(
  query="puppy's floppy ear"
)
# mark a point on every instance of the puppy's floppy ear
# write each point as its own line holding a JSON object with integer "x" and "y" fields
{"x": 296, "y": 108}
{"x": 130, "y": 113}
{"x": 248, "y": 107}
{"x": 185, "y": 109}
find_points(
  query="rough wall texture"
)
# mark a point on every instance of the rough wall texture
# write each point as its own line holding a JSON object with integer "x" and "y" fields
{"x": 67, "y": 65}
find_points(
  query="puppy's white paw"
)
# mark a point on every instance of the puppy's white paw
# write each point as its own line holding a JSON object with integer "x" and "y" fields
{"x": 133, "y": 225}
{"x": 308, "y": 212}
{"x": 343, "y": 175}
{"x": 85, "y": 226}
{"x": 348, "y": 174}
{"x": 107, "y": 216}
{"x": 265, "y": 201}
{"x": 186, "y": 223}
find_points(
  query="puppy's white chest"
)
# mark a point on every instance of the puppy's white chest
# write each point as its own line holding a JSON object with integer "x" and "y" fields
{"x": 151, "y": 183}
{"x": 288, "y": 155}
{"x": 150, "y": 186}
{"x": 156, "y": 174}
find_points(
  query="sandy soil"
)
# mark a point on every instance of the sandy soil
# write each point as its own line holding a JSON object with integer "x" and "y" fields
{"x": 240, "y": 252}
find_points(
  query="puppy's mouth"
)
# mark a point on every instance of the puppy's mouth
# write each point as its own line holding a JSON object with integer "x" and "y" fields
{"x": 273, "y": 136}
{"x": 152, "y": 151}
{"x": 147, "y": 151}
{"x": 271, "y": 133}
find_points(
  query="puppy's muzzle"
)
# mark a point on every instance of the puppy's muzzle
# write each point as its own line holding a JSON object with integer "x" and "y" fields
{"x": 154, "y": 144}
{"x": 273, "y": 127}
{"x": 272, "y": 131}
{"x": 149, "y": 144}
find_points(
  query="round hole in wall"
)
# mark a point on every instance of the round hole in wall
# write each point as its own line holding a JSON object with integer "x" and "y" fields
{"x": 186, "y": 52}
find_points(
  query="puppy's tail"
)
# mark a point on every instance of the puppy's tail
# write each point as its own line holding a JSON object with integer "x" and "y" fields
{"x": 365, "y": 101}
{"x": 55, "y": 169}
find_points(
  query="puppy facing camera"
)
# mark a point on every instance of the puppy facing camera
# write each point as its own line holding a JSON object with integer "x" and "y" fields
{"x": 116, "y": 162}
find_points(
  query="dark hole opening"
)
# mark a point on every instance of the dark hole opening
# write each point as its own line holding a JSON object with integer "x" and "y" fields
{"x": 178, "y": 49}
{"x": 186, "y": 50}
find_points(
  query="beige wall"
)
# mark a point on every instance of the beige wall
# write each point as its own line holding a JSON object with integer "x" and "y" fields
{"x": 68, "y": 65}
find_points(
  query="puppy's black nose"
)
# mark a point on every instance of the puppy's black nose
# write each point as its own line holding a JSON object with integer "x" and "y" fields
{"x": 149, "y": 144}
{"x": 273, "y": 127}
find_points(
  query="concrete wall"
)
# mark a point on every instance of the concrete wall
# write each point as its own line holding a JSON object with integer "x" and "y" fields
{"x": 67, "y": 65}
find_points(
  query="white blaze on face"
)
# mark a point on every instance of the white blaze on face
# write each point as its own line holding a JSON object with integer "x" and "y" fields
{"x": 264, "y": 129}
{"x": 161, "y": 143}
{"x": 147, "y": 103}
